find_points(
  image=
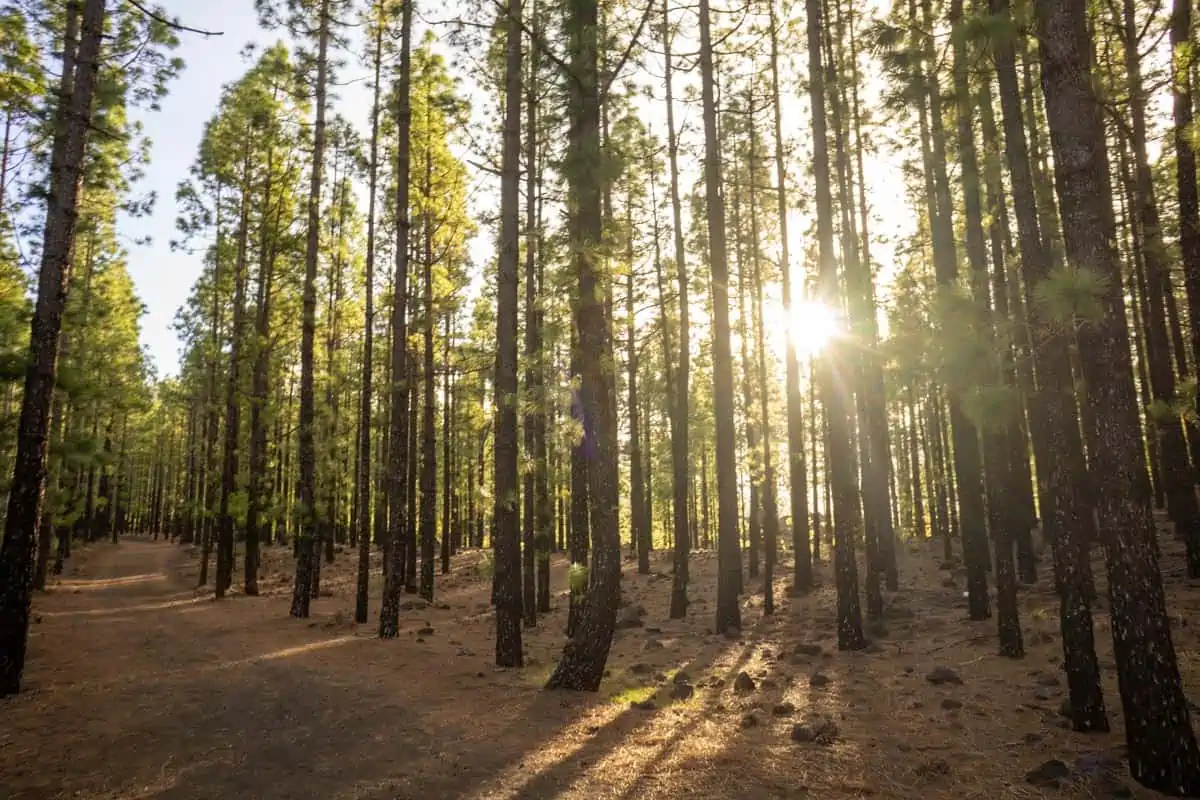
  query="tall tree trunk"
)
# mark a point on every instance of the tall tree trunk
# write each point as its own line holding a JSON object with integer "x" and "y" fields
{"x": 637, "y": 483}
{"x": 1176, "y": 471}
{"x": 586, "y": 653}
{"x": 1185, "y": 166}
{"x": 1066, "y": 518}
{"x": 1162, "y": 747}
{"x": 680, "y": 448}
{"x": 363, "y": 486}
{"x": 428, "y": 401}
{"x": 833, "y": 387}
{"x": 397, "y": 483}
{"x": 966, "y": 451}
{"x": 1000, "y": 498}
{"x": 506, "y": 533}
{"x": 72, "y": 122}
{"x": 229, "y": 468}
{"x": 307, "y": 485}
{"x": 728, "y": 550}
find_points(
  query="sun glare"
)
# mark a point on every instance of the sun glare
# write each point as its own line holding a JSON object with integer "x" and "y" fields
{"x": 812, "y": 325}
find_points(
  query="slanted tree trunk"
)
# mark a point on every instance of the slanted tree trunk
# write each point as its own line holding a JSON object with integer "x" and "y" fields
{"x": 72, "y": 123}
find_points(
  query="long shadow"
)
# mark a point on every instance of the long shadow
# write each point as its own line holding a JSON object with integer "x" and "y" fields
{"x": 550, "y": 781}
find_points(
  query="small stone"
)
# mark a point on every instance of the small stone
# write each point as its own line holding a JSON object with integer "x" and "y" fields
{"x": 631, "y": 617}
{"x": 1033, "y": 737}
{"x": 640, "y": 669}
{"x": 426, "y": 631}
{"x": 783, "y": 710}
{"x": 817, "y": 730}
{"x": 749, "y": 721}
{"x": 818, "y": 680}
{"x": 744, "y": 684}
{"x": 950, "y": 704}
{"x": 1048, "y": 775}
{"x": 420, "y": 640}
{"x": 443, "y": 606}
{"x": 682, "y": 677}
{"x": 940, "y": 676}
{"x": 1044, "y": 693}
{"x": 909, "y": 670}
{"x": 932, "y": 770}
{"x": 1100, "y": 764}
{"x": 652, "y": 631}
{"x": 682, "y": 691}
{"x": 806, "y": 649}
{"x": 948, "y": 583}
{"x": 652, "y": 644}
{"x": 464, "y": 652}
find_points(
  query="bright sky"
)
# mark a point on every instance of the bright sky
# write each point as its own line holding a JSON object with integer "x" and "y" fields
{"x": 164, "y": 278}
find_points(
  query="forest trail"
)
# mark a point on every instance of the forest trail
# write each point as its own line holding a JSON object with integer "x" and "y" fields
{"x": 141, "y": 686}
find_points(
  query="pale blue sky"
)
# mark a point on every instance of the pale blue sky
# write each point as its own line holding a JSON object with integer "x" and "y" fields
{"x": 164, "y": 278}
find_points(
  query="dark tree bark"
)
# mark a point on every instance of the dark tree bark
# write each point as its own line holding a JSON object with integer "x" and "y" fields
{"x": 1000, "y": 500}
{"x": 728, "y": 550}
{"x": 363, "y": 486}
{"x": 586, "y": 653}
{"x": 680, "y": 449}
{"x": 1185, "y": 173}
{"x": 966, "y": 451}
{"x": 1177, "y": 474}
{"x": 229, "y": 467}
{"x": 802, "y": 577}
{"x": 1162, "y": 747}
{"x": 1066, "y": 519}
{"x": 307, "y": 486}
{"x": 72, "y": 123}
{"x": 397, "y": 464}
{"x": 637, "y": 483}
{"x": 506, "y": 531}
{"x": 833, "y": 387}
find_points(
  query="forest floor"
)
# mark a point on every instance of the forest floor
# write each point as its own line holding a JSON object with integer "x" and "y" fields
{"x": 141, "y": 686}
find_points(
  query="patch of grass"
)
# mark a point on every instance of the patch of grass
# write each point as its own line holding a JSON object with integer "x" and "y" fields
{"x": 632, "y": 694}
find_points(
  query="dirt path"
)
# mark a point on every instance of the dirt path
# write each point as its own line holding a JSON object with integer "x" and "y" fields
{"x": 139, "y": 686}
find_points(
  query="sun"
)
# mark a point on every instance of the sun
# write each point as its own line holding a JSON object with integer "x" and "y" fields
{"x": 812, "y": 326}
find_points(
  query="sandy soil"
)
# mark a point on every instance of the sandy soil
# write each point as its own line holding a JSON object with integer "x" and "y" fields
{"x": 139, "y": 686}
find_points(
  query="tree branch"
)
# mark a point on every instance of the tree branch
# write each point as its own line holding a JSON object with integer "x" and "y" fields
{"x": 171, "y": 24}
